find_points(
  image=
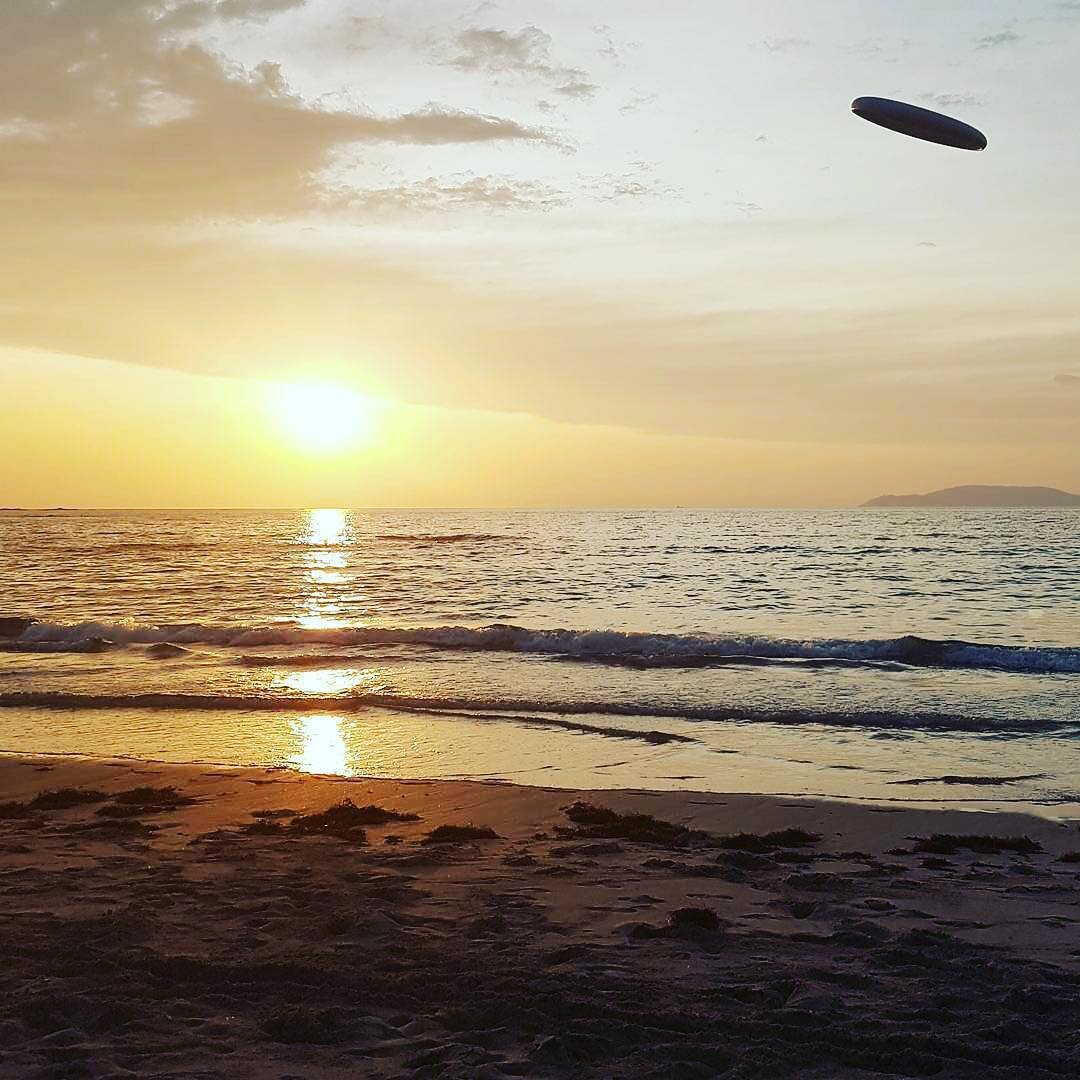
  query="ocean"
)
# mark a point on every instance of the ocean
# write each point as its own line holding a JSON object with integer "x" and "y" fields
{"x": 916, "y": 656}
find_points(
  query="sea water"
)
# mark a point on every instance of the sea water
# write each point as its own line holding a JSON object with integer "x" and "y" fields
{"x": 840, "y": 653}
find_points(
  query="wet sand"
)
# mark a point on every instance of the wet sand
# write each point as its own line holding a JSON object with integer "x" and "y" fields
{"x": 216, "y": 929}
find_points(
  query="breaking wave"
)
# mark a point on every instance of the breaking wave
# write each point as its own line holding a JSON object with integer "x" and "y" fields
{"x": 532, "y": 711}
{"x": 639, "y": 650}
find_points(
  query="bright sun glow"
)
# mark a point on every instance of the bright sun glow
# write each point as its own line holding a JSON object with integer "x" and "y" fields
{"x": 321, "y": 416}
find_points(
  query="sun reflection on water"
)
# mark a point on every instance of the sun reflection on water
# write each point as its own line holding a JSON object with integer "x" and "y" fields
{"x": 322, "y": 745}
{"x": 326, "y": 527}
{"x": 326, "y": 534}
{"x": 334, "y": 681}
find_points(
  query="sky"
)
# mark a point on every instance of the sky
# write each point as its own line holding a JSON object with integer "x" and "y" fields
{"x": 359, "y": 253}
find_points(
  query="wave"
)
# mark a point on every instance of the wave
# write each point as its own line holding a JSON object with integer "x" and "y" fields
{"x": 489, "y": 708}
{"x": 446, "y": 538}
{"x": 641, "y": 650}
{"x": 428, "y": 706}
{"x": 315, "y": 660}
{"x": 142, "y": 547}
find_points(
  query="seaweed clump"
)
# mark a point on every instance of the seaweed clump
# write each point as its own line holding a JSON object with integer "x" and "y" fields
{"x": 761, "y": 844}
{"x": 145, "y": 800}
{"x": 65, "y": 798}
{"x": 58, "y": 799}
{"x": 345, "y": 821}
{"x": 459, "y": 834}
{"x": 600, "y": 822}
{"x": 948, "y": 844}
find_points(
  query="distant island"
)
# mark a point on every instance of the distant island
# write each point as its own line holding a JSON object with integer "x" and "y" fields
{"x": 983, "y": 495}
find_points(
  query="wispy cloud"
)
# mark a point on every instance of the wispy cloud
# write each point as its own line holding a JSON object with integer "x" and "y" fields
{"x": 951, "y": 100}
{"x": 635, "y": 183}
{"x": 995, "y": 41}
{"x": 524, "y": 52}
{"x": 1067, "y": 379}
{"x": 785, "y": 44}
{"x": 611, "y": 49}
{"x": 637, "y": 101}
{"x": 441, "y": 195}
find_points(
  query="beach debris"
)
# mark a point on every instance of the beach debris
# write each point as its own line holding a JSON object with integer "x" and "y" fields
{"x": 146, "y": 800}
{"x": 65, "y": 798}
{"x": 971, "y": 781}
{"x": 948, "y": 844}
{"x": 919, "y": 123}
{"x": 262, "y": 827}
{"x": 59, "y": 799}
{"x": 344, "y": 821}
{"x": 600, "y": 822}
{"x": 113, "y": 828}
{"x": 347, "y": 815}
{"x": 459, "y": 834}
{"x": 691, "y": 923}
{"x": 760, "y": 844}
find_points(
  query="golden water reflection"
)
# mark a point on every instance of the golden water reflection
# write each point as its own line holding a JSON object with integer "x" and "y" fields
{"x": 326, "y": 527}
{"x": 329, "y": 681}
{"x": 326, "y": 533}
{"x": 322, "y": 745}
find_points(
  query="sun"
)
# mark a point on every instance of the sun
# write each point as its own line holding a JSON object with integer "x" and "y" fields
{"x": 322, "y": 417}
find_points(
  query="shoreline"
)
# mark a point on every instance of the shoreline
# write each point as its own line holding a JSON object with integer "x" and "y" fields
{"x": 1066, "y": 813}
{"x": 218, "y": 931}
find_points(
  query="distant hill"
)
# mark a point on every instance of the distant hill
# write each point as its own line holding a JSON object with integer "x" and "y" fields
{"x": 982, "y": 495}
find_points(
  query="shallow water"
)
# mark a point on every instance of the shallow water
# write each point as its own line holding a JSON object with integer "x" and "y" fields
{"x": 805, "y": 652}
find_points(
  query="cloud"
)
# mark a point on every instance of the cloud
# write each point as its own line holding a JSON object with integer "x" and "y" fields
{"x": 637, "y": 101}
{"x": 492, "y": 193}
{"x": 153, "y": 201}
{"x": 612, "y": 188}
{"x": 1067, "y": 379}
{"x": 189, "y": 13}
{"x": 948, "y": 101}
{"x": 525, "y": 53}
{"x": 926, "y": 243}
{"x": 106, "y": 108}
{"x": 1002, "y": 37}
{"x": 611, "y": 49}
{"x": 785, "y": 44}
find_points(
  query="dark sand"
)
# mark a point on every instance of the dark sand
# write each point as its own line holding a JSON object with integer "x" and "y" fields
{"x": 167, "y": 940}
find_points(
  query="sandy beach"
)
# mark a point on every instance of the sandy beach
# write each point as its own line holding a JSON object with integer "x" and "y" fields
{"x": 186, "y": 921}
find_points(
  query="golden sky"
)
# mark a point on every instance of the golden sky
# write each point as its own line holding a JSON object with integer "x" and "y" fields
{"x": 269, "y": 252}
